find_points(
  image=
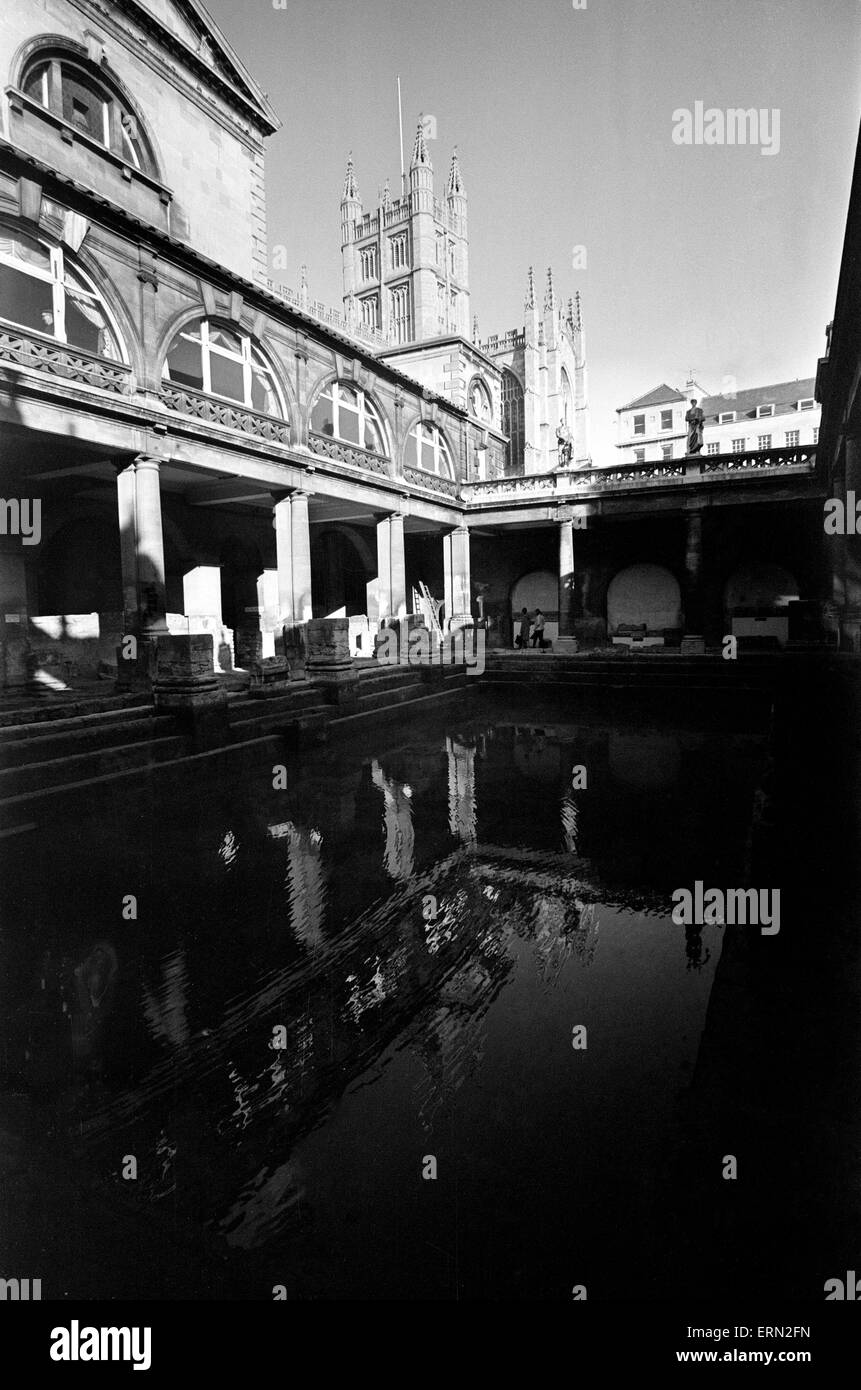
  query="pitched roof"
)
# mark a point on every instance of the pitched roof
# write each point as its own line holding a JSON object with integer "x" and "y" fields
{"x": 658, "y": 396}
{"x": 783, "y": 396}
{"x": 189, "y": 24}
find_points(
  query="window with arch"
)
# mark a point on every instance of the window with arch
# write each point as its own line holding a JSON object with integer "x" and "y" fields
{"x": 568, "y": 401}
{"x": 77, "y": 91}
{"x": 427, "y": 448}
{"x": 479, "y": 399}
{"x": 343, "y": 411}
{"x": 512, "y": 420}
{"x": 42, "y": 290}
{"x": 223, "y": 362}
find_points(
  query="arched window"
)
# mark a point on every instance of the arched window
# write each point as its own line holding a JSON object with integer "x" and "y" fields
{"x": 40, "y": 289}
{"x": 428, "y": 449}
{"x": 223, "y": 362}
{"x": 78, "y": 92}
{"x": 479, "y": 399}
{"x": 567, "y": 400}
{"x": 512, "y": 421}
{"x": 346, "y": 412}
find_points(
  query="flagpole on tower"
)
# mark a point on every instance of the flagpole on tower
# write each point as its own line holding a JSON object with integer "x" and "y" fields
{"x": 401, "y": 129}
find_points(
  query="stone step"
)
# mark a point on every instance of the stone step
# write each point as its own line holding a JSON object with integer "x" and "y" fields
{"x": 388, "y": 677}
{"x": 422, "y": 704}
{"x": 93, "y": 734}
{"x": 17, "y": 781}
{"x": 20, "y": 721}
{"x": 276, "y": 721}
{"x": 301, "y": 697}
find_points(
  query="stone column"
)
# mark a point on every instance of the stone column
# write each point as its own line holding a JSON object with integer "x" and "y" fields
{"x": 301, "y": 543}
{"x": 566, "y": 641}
{"x": 281, "y": 515}
{"x": 693, "y": 641}
{"x": 150, "y": 546}
{"x": 391, "y": 567}
{"x": 293, "y": 559}
{"x": 126, "y": 512}
{"x": 458, "y": 585}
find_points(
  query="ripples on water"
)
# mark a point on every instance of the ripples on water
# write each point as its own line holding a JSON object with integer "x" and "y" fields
{"x": 326, "y": 984}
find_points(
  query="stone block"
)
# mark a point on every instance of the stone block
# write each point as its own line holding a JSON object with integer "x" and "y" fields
{"x": 327, "y": 644}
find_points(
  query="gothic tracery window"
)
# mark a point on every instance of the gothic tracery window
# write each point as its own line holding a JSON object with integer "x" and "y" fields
{"x": 512, "y": 421}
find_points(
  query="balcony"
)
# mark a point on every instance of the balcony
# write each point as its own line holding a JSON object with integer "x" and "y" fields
{"x": 213, "y": 411}
{"x": 43, "y": 354}
{"x": 340, "y": 452}
{"x": 590, "y": 483}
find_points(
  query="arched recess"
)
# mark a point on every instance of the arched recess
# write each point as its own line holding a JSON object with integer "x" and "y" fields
{"x": 192, "y": 344}
{"x": 644, "y": 596}
{"x": 538, "y": 589}
{"x": 342, "y": 566}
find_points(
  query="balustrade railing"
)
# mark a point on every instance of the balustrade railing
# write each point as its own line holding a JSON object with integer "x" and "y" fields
{"x": 57, "y": 359}
{"x": 199, "y": 406}
{"x": 562, "y": 483}
{"x": 340, "y": 452}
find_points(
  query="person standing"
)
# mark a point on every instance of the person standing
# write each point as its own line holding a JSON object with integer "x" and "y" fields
{"x": 523, "y": 635}
{"x": 538, "y": 630}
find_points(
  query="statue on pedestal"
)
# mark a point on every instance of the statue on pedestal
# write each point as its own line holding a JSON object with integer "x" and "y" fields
{"x": 694, "y": 419}
{"x": 565, "y": 441}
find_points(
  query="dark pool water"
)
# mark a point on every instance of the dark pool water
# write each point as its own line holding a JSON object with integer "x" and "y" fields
{"x": 323, "y": 986}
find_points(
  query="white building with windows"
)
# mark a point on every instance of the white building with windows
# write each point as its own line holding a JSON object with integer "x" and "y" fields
{"x": 652, "y": 428}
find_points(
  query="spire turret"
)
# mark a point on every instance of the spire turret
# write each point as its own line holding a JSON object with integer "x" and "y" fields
{"x": 530, "y": 290}
{"x": 550, "y": 293}
{"x": 351, "y": 192}
{"x": 420, "y": 149}
{"x": 455, "y": 177}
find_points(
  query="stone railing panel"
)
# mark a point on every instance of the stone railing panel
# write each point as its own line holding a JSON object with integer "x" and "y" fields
{"x": 340, "y": 452}
{"x": 69, "y": 363}
{"x": 199, "y": 406}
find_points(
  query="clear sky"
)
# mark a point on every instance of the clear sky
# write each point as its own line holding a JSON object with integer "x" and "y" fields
{"x": 712, "y": 257}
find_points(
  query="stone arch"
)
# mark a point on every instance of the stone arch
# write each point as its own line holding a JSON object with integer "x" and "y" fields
{"x": 644, "y": 596}
{"x": 536, "y": 589}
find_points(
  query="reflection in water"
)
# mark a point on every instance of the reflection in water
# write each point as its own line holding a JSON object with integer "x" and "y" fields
{"x": 439, "y": 980}
{"x": 398, "y": 821}
{"x": 461, "y": 790}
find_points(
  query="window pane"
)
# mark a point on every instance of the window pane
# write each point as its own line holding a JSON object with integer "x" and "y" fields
{"x": 222, "y": 337}
{"x": 87, "y": 327}
{"x": 348, "y": 396}
{"x": 322, "y": 416}
{"x": 83, "y": 104}
{"x": 263, "y": 395}
{"x": 26, "y": 300}
{"x": 428, "y": 456}
{"x": 373, "y": 434}
{"x": 411, "y": 455}
{"x": 26, "y": 250}
{"x": 348, "y": 423}
{"x": 227, "y": 377}
{"x": 34, "y": 83}
{"x": 184, "y": 362}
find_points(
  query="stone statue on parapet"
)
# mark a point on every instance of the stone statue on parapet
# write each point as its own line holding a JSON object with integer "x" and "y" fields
{"x": 694, "y": 419}
{"x": 565, "y": 441}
